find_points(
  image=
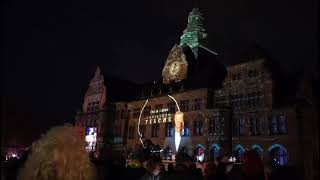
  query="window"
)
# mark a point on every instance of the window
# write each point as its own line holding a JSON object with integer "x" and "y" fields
{"x": 234, "y": 77}
{"x": 143, "y": 130}
{"x": 282, "y": 125}
{"x": 241, "y": 127}
{"x": 169, "y": 130}
{"x": 198, "y": 127}
{"x": 274, "y": 125}
{"x": 117, "y": 130}
{"x": 214, "y": 152}
{"x": 185, "y": 131}
{"x": 253, "y": 126}
{"x": 237, "y": 100}
{"x": 172, "y": 107}
{"x": 235, "y": 128}
{"x": 146, "y": 111}
{"x": 131, "y": 132}
{"x": 211, "y": 125}
{"x": 214, "y": 125}
{"x": 238, "y": 76}
{"x": 184, "y": 105}
{"x": 136, "y": 113}
{"x": 279, "y": 155}
{"x": 93, "y": 106}
{"x": 197, "y": 104}
{"x": 238, "y": 127}
{"x": 250, "y": 73}
{"x": 122, "y": 114}
{"x": 155, "y": 130}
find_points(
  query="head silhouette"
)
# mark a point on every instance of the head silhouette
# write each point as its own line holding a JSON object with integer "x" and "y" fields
{"x": 58, "y": 155}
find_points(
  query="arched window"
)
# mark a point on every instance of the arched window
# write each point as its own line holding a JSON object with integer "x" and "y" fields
{"x": 278, "y": 154}
{"x": 198, "y": 127}
{"x": 258, "y": 150}
{"x": 214, "y": 151}
{"x": 238, "y": 152}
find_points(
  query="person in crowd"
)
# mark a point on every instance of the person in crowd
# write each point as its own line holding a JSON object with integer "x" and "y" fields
{"x": 58, "y": 155}
{"x": 210, "y": 171}
{"x": 221, "y": 172}
{"x": 253, "y": 166}
{"x": 134, "y": 169}
{"x": 287, "y": 172}
{"x": 170, "y": 169}
{"x": 236, "y": 173}
{"x": 154, "y": 170}
{"x": 182, "y": 171}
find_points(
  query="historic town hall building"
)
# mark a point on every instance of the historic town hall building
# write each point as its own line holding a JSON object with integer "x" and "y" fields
{"x": 227, "y": 109}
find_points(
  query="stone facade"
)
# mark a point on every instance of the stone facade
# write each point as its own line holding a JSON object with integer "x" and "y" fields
{"x": 237, "y": 117}
{"x": 244, "y": 113}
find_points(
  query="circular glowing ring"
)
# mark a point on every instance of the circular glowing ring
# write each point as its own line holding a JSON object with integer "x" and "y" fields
{"x": 140, "y": 136}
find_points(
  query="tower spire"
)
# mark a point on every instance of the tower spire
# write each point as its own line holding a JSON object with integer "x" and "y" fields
{"x": 195, "y": 32}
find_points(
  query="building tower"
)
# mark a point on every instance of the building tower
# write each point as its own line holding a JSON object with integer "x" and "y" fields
{"x": 195, "y": 32}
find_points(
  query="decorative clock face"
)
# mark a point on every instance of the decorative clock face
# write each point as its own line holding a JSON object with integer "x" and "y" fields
{"x": 174, "y": 68}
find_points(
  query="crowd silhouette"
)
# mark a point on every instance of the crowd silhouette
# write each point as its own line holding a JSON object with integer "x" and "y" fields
{"x": 61, "y": 155}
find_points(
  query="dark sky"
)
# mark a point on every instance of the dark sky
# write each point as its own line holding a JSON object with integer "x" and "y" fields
{"x": 52, "y": 48}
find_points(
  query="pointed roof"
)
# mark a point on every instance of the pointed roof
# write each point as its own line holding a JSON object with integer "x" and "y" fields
{"x": 97, "y": 75}
{"x": 195, "y": 31}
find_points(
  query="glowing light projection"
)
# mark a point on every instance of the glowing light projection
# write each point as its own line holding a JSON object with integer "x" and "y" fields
{"x": 164, "y": 117}
{"x": 195, "y": 31}
{"x": 91, "y": 138}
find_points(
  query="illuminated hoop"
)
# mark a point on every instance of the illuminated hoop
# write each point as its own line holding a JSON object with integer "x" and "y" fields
{"x": 139, "y": 133}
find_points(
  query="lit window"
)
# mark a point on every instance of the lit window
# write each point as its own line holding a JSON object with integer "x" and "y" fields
{"x": 184, "y": 105}
{"x": 241, "y": 127}
{"x": 169, "y": 130}
{"x": 198, "y": 127}
{"x": 282, "y": 125}
{"x": 274, "y": 125}
{"x": 155, "y": 130}
{"x": 172, "y": 107}
{"x": 136, "y": 113}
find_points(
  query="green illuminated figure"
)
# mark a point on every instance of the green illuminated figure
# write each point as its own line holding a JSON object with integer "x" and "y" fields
{"x": 195, "y": 31}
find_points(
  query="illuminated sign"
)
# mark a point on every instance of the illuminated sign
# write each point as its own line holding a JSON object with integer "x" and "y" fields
{"x": 158, "y": 116}
{"x": 91, "y": 138}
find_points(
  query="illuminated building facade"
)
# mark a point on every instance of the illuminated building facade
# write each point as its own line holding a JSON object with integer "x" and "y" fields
{"x": 227, "y": 109}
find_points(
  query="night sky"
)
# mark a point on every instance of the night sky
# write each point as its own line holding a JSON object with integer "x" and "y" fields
{"x": 51, "y": 49}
